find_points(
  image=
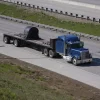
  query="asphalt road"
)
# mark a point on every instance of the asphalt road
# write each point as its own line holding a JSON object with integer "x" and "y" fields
{"x": 89, "y": 74}
{"x": 95, "y": 2}
{"x": 64, "y": 6}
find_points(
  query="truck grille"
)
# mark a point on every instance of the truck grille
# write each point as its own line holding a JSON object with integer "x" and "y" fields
{"x": 85, "y": 55}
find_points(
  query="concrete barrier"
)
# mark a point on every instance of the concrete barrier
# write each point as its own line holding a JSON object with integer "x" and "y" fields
{"x": 96, "y": 38}
{"x": 54, "y": 10}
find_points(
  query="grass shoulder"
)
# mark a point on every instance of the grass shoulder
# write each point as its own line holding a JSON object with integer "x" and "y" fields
{"x": 18, "y": 83}
{"x": 43, "y": 18}
{"x": 23, "y": 81}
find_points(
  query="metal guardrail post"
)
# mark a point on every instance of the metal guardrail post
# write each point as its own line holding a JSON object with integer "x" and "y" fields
{"x": 52, "y": 10}
{"x": 50, "y": 27}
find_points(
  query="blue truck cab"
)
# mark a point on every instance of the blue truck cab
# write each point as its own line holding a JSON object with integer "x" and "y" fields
{"x": 72, "y": 49}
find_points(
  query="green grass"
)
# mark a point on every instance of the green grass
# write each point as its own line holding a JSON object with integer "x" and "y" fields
{"x": 40, "y": 17}
{"x": 17, "y": 83}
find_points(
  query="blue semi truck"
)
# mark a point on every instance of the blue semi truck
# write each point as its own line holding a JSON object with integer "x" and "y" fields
{"x": 68, "y": 46}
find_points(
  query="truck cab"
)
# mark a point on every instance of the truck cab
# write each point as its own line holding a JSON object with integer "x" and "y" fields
{"x": 72, "y": 49}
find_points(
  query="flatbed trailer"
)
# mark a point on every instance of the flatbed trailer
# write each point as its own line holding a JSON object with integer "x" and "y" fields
{"x": 31, "y": 39}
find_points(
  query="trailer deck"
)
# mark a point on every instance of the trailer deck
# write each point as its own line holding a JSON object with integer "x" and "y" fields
{"x": 21, "y": 36}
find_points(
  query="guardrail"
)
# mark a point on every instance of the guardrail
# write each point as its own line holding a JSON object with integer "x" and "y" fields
{"x": 93, "y": 19}
{"x": 96, "y": 38}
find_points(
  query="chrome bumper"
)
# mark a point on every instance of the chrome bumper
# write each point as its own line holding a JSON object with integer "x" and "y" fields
{"x": 84, "y": 61}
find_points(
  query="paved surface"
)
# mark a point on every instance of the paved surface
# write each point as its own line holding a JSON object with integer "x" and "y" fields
{"x": 65, "y": 6}
{"x": 86, "y": 74}
{"x": 95, "y": 2}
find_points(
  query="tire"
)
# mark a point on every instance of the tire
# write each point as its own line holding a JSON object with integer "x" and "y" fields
{"x": 6, "y": 40}
{"x": 89, "y": 62}
{"x": 16, "y": 43}
{"x": 51, "y": 53}
{"x": 74, "y": 61}
{"x": 45, "y": 51}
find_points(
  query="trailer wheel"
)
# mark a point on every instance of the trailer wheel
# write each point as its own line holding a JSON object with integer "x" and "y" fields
{"x": 74, "y": 61}
{"x": 46, "y": 52}
{"x": 6, "y": 39}
{"x": 16, "y": 43}
{"x": 51, "y": 53}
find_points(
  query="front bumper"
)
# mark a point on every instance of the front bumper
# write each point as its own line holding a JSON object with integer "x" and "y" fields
{"x": 84, "y": 61}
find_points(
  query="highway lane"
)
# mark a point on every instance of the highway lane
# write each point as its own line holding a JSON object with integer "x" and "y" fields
{"x": 66, "y": 7}
{"x": 95, "y": 2}
{"x": 12, "y": 27}
{"x": 87, "y": 74}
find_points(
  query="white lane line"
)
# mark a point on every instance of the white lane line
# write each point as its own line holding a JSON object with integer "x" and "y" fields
{"x": 78, "y": 4}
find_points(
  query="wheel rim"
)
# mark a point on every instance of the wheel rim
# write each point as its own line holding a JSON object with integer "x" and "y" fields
{"x": 74, "y": 62}
{"x": 5, "y": 39}
{"x": 15, "y": 42}
{"x": 51, "y": 53}
{"x": 45, "y": 52}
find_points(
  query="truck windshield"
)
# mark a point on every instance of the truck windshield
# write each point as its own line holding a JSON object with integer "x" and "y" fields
{"x": 76, "y": 45}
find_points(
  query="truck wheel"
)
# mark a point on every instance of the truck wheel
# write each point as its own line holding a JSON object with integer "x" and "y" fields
{"x": 89, "y": 62}
{"x": 6, "y": 39}
{"x": 74, "y": 61}
{"x": 46, "y": 52}
{"x": 51, "y": 53}
{"x": 16, "y": 43}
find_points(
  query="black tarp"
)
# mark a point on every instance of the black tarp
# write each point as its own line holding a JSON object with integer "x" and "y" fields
{"x": 31, "y": 33}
